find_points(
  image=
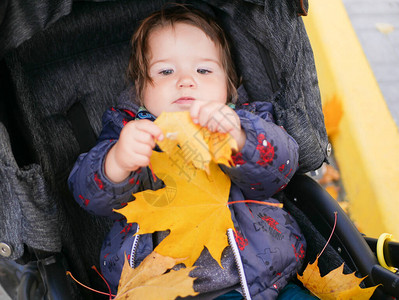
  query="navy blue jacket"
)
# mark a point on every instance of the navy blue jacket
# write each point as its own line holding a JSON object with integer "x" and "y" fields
{"x": 266, "y": 248}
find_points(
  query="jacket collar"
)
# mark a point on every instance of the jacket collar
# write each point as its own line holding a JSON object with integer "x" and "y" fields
{"x": 143, "y": 113}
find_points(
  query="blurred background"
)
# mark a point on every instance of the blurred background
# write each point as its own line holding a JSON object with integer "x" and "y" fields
{"x": 356, "y": 48}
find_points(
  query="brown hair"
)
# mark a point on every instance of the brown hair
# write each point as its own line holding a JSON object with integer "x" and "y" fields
{"x": 138, "y": 71}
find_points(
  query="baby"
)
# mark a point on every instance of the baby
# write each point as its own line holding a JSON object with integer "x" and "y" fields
{"x": 181, "y": 61}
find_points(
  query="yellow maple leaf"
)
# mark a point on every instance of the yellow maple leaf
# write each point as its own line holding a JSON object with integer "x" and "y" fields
{"x": 149, "y": 280}
{"x": 198, "y": 144}
{"x": 335, "y": 285}
{"x": 333, "y": 113}
{"x": 193, "y": 206}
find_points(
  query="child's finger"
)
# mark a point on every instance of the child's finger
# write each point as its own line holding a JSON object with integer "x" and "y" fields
{"x": 194, "y": 110}
{"x": 221, "y": 124}
{"x": 144, "y": 138}
{"x": 204, "y": 115}
{"x": 207, "y": 112}
{"x": 141, "y": 160}
{"x": 213, "y": 124}
{"x": 143, "y": 149}
{"x": 151, "y": 128}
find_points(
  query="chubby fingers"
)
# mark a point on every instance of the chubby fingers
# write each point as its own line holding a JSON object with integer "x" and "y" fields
{"x": 145, "y": 137}
{"x": 195, "y": 109}
{"x": 136, "y": 141}
{"x": 202, "y": 112}
{"x": 147, "y": 131}
{"x": 216, "y": 116}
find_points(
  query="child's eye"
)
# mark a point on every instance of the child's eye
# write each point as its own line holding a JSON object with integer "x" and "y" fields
{"x": 166, "y": 72}
{"x": 203, "y": 71}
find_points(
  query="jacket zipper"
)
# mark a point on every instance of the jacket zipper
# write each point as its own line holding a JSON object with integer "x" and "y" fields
{"x": 240, "y": 267}
{"x": 236, "y": 253}
{"x": 134, "y": 248}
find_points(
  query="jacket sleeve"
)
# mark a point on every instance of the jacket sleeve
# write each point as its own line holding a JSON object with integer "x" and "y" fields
{"x": 90, "y": 187}
{"x": 269, "y": 157}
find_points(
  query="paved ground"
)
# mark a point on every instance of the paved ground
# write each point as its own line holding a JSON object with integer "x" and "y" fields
{"x": 3, "y": 294}
{"x": 376, "y": 24}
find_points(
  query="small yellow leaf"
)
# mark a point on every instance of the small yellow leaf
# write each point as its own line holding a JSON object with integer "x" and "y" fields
{"x": 149, "y": 280}
{"x": 344, "y": 206}
{"x": 385, "y": 28}
{"x": 333, "y": 191}
{"x": 333, "y": 112}
{"x": 220, "y": 146}
{"x": 199, "y": 145}
{"x": 334, "y": 285}
{"x": 330, "y": 174}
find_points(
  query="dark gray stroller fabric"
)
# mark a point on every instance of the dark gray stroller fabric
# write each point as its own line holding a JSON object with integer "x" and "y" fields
{"x": 28, "y": 213}
{"x": 276, "y": 61}
{"x": 20, "y": 20}
{"x": 81, "y": 59}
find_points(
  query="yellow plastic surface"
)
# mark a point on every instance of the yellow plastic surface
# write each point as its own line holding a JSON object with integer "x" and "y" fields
{"x": 366, "y": 144}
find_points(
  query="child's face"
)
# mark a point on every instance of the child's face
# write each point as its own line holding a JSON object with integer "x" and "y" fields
{"x": 185, "y": 66}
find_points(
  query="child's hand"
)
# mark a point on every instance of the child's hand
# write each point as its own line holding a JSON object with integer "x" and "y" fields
{"x": 133, "y": 149}
{"x": 218, "y": 117}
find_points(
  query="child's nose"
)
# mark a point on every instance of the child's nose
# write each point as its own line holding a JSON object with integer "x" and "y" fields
{"x": 186, "y": 81}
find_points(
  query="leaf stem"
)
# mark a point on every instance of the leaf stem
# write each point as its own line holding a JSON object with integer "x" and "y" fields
{"x": 87, "y": 287}
{"x": 102, "y": 277}
{"x": 332, "y": 232}
{"x": 257, "y": 202}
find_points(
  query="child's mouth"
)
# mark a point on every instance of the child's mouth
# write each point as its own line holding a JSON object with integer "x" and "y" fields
{"x": 184, "y": 100}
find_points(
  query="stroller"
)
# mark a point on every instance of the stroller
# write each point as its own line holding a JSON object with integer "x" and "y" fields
{"x": 63, "y": 63}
